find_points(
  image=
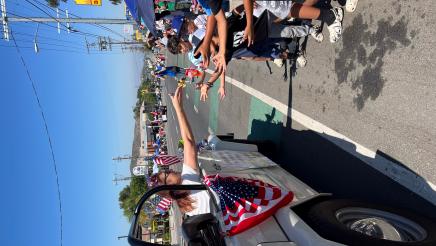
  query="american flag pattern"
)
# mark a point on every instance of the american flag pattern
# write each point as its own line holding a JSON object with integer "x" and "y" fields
{"x": 246, "y": 202}
{"x": 166, "y": 160}
{"x": 164, "y": 205}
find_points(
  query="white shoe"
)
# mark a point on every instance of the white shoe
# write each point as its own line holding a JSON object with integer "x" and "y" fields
{"x": 351, "y": 5}
{"x": 301, "y": 61}
{"x": 278, "y": 62}
{"x": 335, "y": 28}
{"x": 317, "y": 34}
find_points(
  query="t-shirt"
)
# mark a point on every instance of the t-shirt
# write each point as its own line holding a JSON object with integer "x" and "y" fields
{"x": 195, "y": 40}
{"x": 211, "y": 7}
{"x": 201, "y": 21}
{"x": 201, "y": 197}
{"x": 281, "y": 9}
{"x": 164, "y": 41}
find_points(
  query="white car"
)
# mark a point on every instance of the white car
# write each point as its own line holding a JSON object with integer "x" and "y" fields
{"x": 311, "y": 219}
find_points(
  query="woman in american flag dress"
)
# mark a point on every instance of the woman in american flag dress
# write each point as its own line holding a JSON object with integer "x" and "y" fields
{"x": 244, "y": 202}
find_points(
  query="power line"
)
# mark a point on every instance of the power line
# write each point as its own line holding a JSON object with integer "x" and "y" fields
{"x": 47, "y": 134}
{"x": 63, "y": 50}
{"x": 71, "y": 44}
{"x": 45, "y": 37}
{"x": 21, "y": 5}
{"x": 97, "y": 25}
{"x": 47, "y": 43}
{"x": 73, "y": 31}
{"x": 46, "y": 13}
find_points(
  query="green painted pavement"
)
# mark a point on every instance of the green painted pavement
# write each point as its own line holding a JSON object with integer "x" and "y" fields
{"x": 264, "y": 122}
{"x": 213, "y": 107}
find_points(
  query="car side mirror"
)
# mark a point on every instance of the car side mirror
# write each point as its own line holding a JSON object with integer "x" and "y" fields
{"x": 155, "y": 231}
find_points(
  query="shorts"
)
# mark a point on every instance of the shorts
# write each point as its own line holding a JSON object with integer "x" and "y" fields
{"x": 280, "y": 9}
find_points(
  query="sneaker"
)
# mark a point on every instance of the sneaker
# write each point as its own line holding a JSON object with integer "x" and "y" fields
{"x": 301, "y": 61}
{"x": 351, "y": 5}
{"x": 278, "y": 62}
{"x": 335, "y": 28}
{"x": 317, "y": 34}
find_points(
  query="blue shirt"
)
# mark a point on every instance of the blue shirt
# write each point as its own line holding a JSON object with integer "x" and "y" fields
{"x": 211, "y": 7}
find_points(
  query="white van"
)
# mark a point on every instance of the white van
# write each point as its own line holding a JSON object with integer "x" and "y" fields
{"x": 311, "y": 219}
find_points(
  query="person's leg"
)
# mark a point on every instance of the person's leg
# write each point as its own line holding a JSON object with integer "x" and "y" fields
{"x": 285, "y": 31}
{"x": 332, "y": 17}
{"x": 301, "y": 11}
{"x": 309, "y": 2}
{"x": 256, "y": 58}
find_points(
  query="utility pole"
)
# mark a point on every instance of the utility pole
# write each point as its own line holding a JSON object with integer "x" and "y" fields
{"x": 105, "y": 44}
{"x": 117, "y": 179}
{"x": 67, "y": 20}
{"x": 120, "y": 158}
{"x": 4, "y": 20}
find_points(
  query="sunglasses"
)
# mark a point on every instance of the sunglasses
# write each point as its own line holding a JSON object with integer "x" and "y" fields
{"x": 154, "y": 179}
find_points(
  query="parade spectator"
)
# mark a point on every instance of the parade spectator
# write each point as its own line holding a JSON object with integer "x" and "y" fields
{"x": 216, "y": 17}
{"x": 290, "y": 9}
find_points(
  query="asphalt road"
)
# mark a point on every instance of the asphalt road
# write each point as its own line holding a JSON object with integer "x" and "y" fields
{"x": 375, "y": 86}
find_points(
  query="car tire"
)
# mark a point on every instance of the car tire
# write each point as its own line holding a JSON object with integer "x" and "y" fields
{"x": 333, "y": 220}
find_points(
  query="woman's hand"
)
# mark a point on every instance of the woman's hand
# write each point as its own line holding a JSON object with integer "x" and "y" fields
{"x": 203, "y": 92}
{"x": 204, "y": 52}
{"x": 176, "y": 98}
{"x": 198, "y": 85}
{"x": 222, "y": 93}
{"x": 220, "y": 62}
{"x": 249, "y": 34}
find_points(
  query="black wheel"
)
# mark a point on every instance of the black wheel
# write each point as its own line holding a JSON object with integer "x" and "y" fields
{"x": 357, "y": 223}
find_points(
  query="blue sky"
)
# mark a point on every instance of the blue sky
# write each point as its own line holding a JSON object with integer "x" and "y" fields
{"x": 87, "y": 100}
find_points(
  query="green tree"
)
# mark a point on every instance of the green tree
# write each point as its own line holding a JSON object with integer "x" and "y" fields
{"x": 130, "y": 195}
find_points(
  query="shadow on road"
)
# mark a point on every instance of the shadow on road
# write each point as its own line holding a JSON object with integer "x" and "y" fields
{"x": 327, "y": 168}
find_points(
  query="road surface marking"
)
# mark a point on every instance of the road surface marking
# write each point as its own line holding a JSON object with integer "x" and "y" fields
{"x": 399, "y": 174}
{"x": 195, "y": 109}
{"x": 187, "y": 96}
{"x": 172, "y": 114}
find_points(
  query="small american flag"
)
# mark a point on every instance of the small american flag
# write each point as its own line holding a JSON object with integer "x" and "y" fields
{"x": 246, "y": 202}
{"x": 166, "y": 160}
{"x": 164, "y": 205}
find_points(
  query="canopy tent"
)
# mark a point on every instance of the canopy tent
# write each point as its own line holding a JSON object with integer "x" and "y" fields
{"x": 143, "y": 12}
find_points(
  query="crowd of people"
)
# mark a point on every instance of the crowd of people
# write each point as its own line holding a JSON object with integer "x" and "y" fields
{"x": 257, "y": 30}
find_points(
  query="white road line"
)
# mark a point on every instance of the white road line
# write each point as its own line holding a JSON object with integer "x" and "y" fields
{"x": 195, "y": 109}
{"x": 399, "y": 174}
{"x": 172, "y": 114}
{"x": 187, "y": 96}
